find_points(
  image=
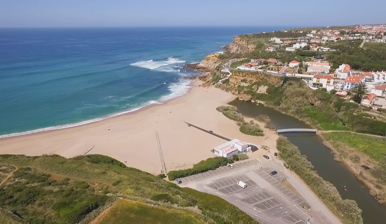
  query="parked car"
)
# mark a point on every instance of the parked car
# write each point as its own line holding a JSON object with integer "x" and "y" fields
{"x": 265, "y": 156}
{"x": 178, "y": 181}
{"x": 273, "y": 173}
{"x": 230, "y": 165}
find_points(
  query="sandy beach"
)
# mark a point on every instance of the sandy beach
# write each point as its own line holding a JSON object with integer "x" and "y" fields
{"x": 131, "y": 138}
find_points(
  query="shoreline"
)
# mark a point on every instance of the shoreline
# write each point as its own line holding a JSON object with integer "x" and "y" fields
{"x": 148, "y": 104}
{"x": 131, "y": 137}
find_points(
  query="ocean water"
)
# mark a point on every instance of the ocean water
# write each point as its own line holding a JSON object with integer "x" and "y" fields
{"x": 57, "y": 78}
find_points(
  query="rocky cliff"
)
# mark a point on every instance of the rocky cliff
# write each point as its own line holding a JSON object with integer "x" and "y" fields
{"x": 239, "y": 46}
{"x": 210, "y": 62}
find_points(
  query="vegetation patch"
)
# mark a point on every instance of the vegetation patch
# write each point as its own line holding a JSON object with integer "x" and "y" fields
{"x": 374, "y": 147}
{"x": 346, "y": 209}
{"x": 251, "y": 129}
{"x": 126, "y": 211}
{"x": 219, "y": 210}
{"x": 203, "y": 166}
{"x": 53, "y": 189}
{"x": 231, "y": 113}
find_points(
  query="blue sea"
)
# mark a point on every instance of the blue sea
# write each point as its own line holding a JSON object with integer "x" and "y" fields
{"x": 57, "y": 78}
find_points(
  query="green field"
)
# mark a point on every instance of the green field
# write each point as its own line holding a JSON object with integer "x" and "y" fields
{"x": 126, "y": 212}
{"x": 53, "y": 189}
{"x": 374, "y": 147}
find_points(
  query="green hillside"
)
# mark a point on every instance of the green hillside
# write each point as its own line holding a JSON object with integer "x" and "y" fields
{"x": 52, "y": 189}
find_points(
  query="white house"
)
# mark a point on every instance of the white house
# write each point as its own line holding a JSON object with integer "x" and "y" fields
{"x": 379, "y": 76}
{"x": 270, "y": 49}
{"x": 369, "y": 77}
{"x": 313, "y": 63}
{"x": 368, "y": 100}
{"x": 293, "y": 64}
{"x": 343, "y": 71}
{"x": 290, "y": 49}
{"x": 379, "y": 90}
{"x": 352, "y": 81}
{"x": 318, "y": 69}
{"x": 324, "y": 81}
{"x": 230, "y": 148}
{"x": 379, "y": 103}
{"x": 276, "y": 40}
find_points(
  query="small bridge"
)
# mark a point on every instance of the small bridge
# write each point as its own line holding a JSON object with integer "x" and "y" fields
{"x": 296, "y": 130}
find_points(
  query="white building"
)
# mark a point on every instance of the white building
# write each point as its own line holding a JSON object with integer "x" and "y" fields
{"x": 230, "y": 148}
{"x": 276, "y": 40}
{"x": 318, "y": 69}
{"x": 352, "y": 81}
{"x": 368, "y": 100}
{"x": 323, "y": 81}
{"x": 270, "y": 49}
{"x": 290, "y": 49}
{"x": 379, "y": 90}
{"x": 293, "y": 64}
{"x": 343, "y": 71}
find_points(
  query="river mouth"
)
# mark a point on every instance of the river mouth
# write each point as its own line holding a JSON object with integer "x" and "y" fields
{"x": 322, "y": 159}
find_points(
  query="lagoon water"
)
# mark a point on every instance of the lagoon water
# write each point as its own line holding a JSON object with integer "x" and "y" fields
{"x": 322, "y": 159}
{"x": 53, "y": 78}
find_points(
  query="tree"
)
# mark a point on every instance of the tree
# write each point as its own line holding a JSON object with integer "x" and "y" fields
{"x": 359, "y": 91}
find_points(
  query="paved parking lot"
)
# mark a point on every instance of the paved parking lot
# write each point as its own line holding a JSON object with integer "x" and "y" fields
{"x": 276, "y": 182}
{"x": 265, "y": 204}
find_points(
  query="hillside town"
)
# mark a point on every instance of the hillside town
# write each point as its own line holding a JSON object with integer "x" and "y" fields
{"x": 318, "y": 72}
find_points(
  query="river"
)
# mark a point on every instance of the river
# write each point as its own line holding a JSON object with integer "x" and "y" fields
{"x": 322, "y": 159}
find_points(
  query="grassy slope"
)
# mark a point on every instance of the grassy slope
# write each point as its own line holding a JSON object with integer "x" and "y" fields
{"x": 374, "y": 147}
{"x": 7, "y": 219}
{"x": 52, "y": 189}
{"x": 126, "y": 211}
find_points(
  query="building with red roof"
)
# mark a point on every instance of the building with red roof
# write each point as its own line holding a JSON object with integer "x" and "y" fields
{"x": 272, "y": 60}
{"x": 343, "y": 71}
{"x": 293, "y": 64}
{"x": 369, "y": 99}
{"x": 323, "y": 81}
{"x": 352, "y": 81}
{"x": 379, "y": 90}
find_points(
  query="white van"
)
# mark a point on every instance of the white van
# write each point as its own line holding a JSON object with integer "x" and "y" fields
{"x": 241, "y": 184}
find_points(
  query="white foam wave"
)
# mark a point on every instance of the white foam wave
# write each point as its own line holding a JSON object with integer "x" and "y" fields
{"x": 65, "y": 126}
{"x": 152, "y": 65}
{"x": 177, "y": 89}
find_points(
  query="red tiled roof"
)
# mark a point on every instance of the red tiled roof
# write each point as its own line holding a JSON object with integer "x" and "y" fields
{"x": 294, "y": 62}
{"x": 368, "y": 74}
{"x": 354, "y": 79}
{"x": 271, "y": 60}
{"x": 371, "y": 97}
{"x": 323, "y": 76}
{"x": 381, "y": 87}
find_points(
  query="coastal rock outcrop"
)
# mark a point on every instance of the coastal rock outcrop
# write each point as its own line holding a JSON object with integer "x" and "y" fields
{"x": 239, "y": 46}
{"x": 210, "y": 62}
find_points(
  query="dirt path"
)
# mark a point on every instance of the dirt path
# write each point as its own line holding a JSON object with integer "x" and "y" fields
{"x": 9, "y": 175}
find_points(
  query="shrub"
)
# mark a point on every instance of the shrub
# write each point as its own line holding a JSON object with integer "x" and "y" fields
{"x": 115, "y": 183}
{"x": 104, "y": 159}
{"x": 231, "y": 113}
{"x": 163, "y": 198}
{"x": 203, "y": 166}
{"x": 251, "y": 129}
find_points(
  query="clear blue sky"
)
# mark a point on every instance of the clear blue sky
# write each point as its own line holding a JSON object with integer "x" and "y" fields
{"x": 118, "y": 13}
